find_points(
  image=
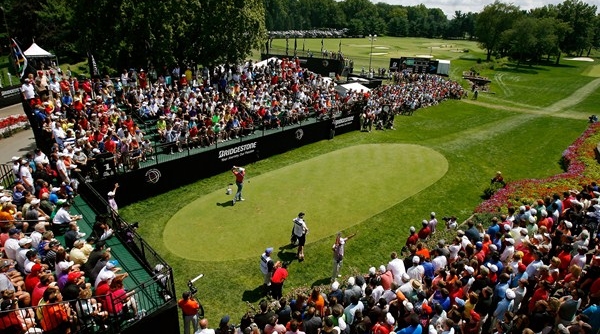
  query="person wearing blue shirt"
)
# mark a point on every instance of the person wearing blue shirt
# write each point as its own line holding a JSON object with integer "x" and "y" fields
{"x": 414, "y": 326}
{"x": 593, "y": 314}
{"x": 428, "y": 266}
{"x": 504, "y": 306}
{"x": 493, "y": 229}
{"x": 502, "y": 287}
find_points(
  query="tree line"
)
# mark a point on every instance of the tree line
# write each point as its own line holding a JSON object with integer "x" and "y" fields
{"x": 131, "y": 33}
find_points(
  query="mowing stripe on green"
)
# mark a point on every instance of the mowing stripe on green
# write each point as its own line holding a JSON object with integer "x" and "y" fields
{"x": 335, "y": 190}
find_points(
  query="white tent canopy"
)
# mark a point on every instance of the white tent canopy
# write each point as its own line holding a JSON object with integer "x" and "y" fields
{"x": 355, "y": 86}
{"x": 343, "y": 89}
{"x": 35, "y": 51}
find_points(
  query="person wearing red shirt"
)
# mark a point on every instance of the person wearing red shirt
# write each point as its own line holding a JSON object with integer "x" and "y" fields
{"x": 541, "y": 293}
{"x": 425, "y": 231}
{"x": 239, "y": 173}
{"x": 33, "y": 278}
{"x": 277, "y": 280}
{"x": 545, "y": 221}
{"x": 87, "y": 87}
{"x": 38, "y": 291}
{"x": 413, "y": 238}
{"x": 143, "y": 78}
{"x": 65, "y": 86}
{"x": 386, "y": 277}
{"x": 110, "y": 145}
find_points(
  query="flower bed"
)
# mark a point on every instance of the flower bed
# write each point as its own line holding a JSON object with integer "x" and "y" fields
{"x": 11, "y": 124}
{"x": 579, "y": 161}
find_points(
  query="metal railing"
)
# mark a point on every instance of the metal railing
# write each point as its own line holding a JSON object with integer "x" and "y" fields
{"x": 127, "y": 234}
{"x": 7, "y": 177}
{"x": 89, "y": 315}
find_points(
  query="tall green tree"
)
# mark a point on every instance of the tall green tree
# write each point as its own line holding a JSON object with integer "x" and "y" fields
{"x": 492, "y": 22}
{"x": 520, "y": 40}
{"x": 398, "y": 23}
{"x": 580, "y": 18}
{"x": 224, "y": 31}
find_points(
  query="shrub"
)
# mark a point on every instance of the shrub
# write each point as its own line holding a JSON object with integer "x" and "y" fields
{"x": 580, "y": 166}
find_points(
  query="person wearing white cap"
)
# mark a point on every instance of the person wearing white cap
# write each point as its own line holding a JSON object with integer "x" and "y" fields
{"x": 338, "y": 254}
{"x": 16, "y": 167}
{"x": 386, "y": 277}
{"x": 34, "y": 213}
{"x": 413, "y": 238}
{"x": 24, "y": 247}
{"x": 240, "y": 174}
{"x": 432, "y": 222}
{"x": 111, "y": 200}
{"x": 504, "y": 305}
{"x": 509, "y": 250}
{"x": 417, "y": 271}
{"x": 266, "y": 268}
{"x": 25, "y": 175}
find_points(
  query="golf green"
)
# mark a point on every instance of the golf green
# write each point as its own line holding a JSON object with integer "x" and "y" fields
{"x": 335, "y": 190}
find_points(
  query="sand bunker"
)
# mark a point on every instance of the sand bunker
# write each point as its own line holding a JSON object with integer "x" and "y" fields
{"x": 580, "y": 59}
{"x": 378, "y": 53}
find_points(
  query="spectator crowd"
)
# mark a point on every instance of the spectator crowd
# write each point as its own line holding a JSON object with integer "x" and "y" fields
{"x": 98, "y": 120}
{"x": 533, "y": 270}
{"x": 76, "y": 281}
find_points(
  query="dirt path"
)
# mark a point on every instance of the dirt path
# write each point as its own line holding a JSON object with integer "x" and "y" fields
{"x": 575, "y": 98}
{"x": 483, "y": 132}
{"x": 558, "y": 109}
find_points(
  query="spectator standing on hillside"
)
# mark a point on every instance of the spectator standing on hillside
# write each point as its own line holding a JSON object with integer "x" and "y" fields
{"x": 300, "y": 230}
{"x": 114, "y": 208}
{"x": 279, "y": 276}
{"x": 338, "y": 254}
{"x": 498, "y": 179}
{"x": 266, "y": 267}
{"x": 432, "y": 222}
{"x": 189, "y": 308}
{"x": 239, "y": 173}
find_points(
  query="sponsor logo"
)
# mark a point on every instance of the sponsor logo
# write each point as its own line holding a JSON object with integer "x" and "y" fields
{"x": 299, "y": 134}
{"x": 152, "y": 175}
{"x": 10, "y": 92}
{"x": 237, "y": 151}
{"x": 343, "y": 121}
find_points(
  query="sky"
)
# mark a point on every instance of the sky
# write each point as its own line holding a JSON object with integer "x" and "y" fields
{"x": 465, "y": 6}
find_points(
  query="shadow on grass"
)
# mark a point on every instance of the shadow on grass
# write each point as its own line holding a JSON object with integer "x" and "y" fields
{"x": 284, "y": 256}
{"x": 253, "y": 296}
{"x": 225, "y": 204}
{"x": 520, "y": 69}
{"x": 322, "y": 281}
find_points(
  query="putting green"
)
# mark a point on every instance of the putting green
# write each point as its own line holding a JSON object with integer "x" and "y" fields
{"x": 335, "y": 190}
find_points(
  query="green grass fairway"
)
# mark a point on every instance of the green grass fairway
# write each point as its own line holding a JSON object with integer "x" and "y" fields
{"x": 336, "y": 190}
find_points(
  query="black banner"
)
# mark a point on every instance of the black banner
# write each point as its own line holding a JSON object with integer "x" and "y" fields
{"x": 160, "y": 178}
{"x": 9, "y": 96}
{"x": 414, "y": 65}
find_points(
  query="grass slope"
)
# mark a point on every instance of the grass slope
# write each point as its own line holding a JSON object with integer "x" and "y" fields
{"x": 520, "y": 134}
{"x": 351, "y": 184}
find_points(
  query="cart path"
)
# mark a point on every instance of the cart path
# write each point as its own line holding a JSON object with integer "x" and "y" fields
{"x": 485, "y": 132}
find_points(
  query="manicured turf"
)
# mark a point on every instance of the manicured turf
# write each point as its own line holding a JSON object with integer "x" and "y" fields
{"x": 351, "y": 184}
{"x": 520, "y": 128}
